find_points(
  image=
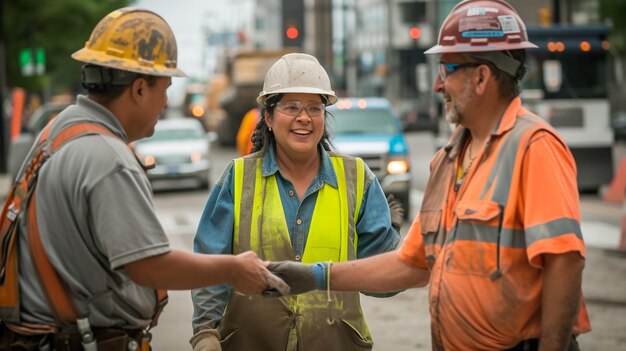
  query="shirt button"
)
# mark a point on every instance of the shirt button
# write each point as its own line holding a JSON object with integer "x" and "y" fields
{"x": 298, "y": 221}
{"x": 298, "y": 258}
{"x": 290, "y": 192}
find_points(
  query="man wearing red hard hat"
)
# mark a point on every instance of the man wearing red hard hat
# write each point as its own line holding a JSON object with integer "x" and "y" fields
{"x": 498, "y": 235}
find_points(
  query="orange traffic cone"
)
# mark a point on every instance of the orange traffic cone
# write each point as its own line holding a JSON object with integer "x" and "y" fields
{"x": 616, "y": 190}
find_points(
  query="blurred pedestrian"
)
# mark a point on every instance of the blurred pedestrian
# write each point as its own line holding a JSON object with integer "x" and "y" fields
{"x": 498, "y": 234}
{"x": 292, "y": 199}
{"x": 106, "y": 254}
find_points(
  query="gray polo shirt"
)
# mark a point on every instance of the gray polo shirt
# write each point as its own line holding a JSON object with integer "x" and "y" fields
{"x": 95, "y": 214}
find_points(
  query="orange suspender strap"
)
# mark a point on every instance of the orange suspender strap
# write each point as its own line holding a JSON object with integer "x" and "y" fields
{"x": 54, "y": 287}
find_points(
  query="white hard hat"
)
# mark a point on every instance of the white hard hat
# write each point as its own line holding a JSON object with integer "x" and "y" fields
{"x": 297, "y": 73}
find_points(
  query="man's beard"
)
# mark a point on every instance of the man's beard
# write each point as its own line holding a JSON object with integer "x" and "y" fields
{"x": 454, "y": 115}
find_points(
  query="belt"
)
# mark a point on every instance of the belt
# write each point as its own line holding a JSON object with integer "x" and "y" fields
{"x": 107, "y": 339}
{"x": 533, "y": 345}
{"x": 526, "y": 345}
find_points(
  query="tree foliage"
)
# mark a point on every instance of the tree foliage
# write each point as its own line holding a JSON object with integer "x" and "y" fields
{"x": 614, "y": 11}
{"x": 60, "y": 27}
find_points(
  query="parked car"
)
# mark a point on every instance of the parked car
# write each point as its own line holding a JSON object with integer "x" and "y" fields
{"x": 179, "y": 149}
{"x": 19, "y": 147}
{"x": 369, "y": 128}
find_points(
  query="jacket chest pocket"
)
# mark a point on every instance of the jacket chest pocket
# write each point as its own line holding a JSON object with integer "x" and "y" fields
{"x": 473, "y": 246}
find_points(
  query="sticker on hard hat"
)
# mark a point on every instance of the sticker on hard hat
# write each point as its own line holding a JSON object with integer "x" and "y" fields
{"x": 480, "y": 11}
{"x": 482, "y": 34}
{"x": 479, "y": 24}
{"x": 509, "y": 24}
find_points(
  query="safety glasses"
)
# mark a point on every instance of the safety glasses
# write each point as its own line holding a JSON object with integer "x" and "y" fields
{"x": 294, "y": 108}
{"x": 446, "y": 69}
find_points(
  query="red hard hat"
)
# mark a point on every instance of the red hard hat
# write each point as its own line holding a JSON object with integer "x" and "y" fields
{"x": 481, "y": 26}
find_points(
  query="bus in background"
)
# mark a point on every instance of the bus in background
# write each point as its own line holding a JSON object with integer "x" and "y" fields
{"x": 567, "y": 83}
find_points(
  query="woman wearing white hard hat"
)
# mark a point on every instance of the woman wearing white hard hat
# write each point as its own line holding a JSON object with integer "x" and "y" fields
{"x": 292, "y": 199}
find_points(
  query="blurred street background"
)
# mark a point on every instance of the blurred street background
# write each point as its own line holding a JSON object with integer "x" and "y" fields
{"x": 371, "y": 48}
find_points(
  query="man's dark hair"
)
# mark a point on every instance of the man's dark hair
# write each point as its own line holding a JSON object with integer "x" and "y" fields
{"x": 107, "y": 84}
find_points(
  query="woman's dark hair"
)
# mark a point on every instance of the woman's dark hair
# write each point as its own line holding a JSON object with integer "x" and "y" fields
{"x": 262, "y": 137}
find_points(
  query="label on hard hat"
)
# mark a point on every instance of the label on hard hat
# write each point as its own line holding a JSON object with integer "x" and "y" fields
{"x": 509, "y": 24}
{"x": 483, "y": 34}
{"x": 480, "y": 11}
{"x": 478, "y": 24}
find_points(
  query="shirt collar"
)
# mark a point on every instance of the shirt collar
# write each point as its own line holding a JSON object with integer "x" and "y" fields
{"x": 326, "y": 173}
{"x": 104, "y": 116}
{"x": 507, "y": 121}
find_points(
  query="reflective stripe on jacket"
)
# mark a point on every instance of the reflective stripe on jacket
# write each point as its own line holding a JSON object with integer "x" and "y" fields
{"x": 308, "y": 320}
{"x": 483, "y": 242}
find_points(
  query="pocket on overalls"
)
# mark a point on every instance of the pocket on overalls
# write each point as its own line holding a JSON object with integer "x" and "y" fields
{"x": 473, "y": 244}
{"x": 430, "y": 221}
{"x": 354, "y": 339}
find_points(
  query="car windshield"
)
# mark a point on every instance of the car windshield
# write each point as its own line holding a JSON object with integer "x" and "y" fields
{"x": 175, "y": 134}
{"x": 357, "y": 121}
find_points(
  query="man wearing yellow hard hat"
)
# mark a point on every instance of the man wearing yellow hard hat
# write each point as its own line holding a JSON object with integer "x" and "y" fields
{"x": 93, "y": 259}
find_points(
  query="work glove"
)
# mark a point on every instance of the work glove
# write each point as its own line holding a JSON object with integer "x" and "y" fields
{"x": 300, "y": 277}
{"x": 396, "y": 210}
{"x": 206, "y": 340}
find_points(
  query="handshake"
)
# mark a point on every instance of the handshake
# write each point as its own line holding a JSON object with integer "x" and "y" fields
{"x": 298, "y": 277}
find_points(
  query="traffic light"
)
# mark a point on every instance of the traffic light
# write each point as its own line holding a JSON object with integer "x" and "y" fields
{"x": 292, "y": 32}
{"x": 293, "y": 23}
{"x": 415, "y": 32}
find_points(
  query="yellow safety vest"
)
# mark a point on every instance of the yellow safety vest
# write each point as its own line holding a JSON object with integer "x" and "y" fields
{"x": 308, "y": 320}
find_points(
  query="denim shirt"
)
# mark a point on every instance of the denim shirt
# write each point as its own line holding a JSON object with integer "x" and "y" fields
{"x": 215, "y": 230}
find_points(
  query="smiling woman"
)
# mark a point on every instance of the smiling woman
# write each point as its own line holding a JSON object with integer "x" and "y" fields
{"x": 291, "y": 199}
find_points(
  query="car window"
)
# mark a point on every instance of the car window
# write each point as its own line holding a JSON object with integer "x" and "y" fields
{"x": 357, "y": 121}
{"x": 175, "y": 134}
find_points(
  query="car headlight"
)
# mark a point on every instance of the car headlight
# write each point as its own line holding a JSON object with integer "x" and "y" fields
{"x": 197, "y": 111}
{"x": 198, "y": 156}
{"x": 397, "y": 167}
{"x": 149, "y": 160}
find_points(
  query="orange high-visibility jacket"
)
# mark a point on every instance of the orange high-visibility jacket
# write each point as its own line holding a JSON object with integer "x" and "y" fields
{"x": 483, "y": 243}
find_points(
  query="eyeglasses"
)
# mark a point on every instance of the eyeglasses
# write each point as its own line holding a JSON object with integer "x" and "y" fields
{"x": 446, "y": 69}
{"x": 294, "y": 108}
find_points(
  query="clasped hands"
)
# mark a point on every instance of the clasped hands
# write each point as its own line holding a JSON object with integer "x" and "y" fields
{"x": 299, "y": 277}
{"x": 274, "y": 279}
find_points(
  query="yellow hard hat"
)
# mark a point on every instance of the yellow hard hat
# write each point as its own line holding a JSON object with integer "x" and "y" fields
{"x": 134, "y": 40}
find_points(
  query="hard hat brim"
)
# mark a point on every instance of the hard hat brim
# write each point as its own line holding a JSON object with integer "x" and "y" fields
{"x": 98, "y": 58}
{"x": 444, "y": 49}
{"x": 330, "y": 95}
